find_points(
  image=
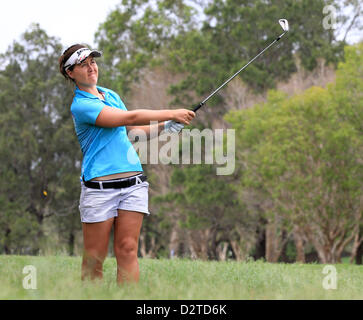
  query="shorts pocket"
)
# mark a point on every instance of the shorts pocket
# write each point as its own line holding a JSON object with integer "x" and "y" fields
{"x": 93, "y": 198}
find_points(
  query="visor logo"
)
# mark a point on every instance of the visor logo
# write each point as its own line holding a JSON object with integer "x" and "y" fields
{"x": 81, "y": 50}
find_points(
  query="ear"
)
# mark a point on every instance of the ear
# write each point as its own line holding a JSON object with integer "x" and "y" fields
{"x": 70, "y": 73}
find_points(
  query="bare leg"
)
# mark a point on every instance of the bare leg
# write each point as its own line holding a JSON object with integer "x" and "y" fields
{"x": 126, "y": 240}
{"x": 95, "y": 238}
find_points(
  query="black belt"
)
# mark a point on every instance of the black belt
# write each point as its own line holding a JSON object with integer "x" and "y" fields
{"x": 117, "y": 184}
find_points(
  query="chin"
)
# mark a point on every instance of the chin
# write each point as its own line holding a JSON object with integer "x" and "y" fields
{"x": 93, "y": 80}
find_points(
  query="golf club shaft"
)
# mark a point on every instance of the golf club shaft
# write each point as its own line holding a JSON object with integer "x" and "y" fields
{"x": 244, "y": 67}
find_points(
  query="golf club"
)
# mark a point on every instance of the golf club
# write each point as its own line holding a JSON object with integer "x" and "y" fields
{"x": 284, "y": 25}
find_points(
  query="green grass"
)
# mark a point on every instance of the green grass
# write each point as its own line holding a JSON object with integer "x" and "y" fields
{"x": 58, "y": 277}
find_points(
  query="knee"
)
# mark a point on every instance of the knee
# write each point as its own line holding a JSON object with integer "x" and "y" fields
{"x": 126, "y": 248}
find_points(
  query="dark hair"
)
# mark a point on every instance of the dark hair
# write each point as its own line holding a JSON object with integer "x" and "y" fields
{"x": 65, "y": 56}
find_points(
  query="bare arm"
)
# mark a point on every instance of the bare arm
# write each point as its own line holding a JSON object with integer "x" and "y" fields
{"x": 155, "y": 129}
{"x": 113, "y": 117}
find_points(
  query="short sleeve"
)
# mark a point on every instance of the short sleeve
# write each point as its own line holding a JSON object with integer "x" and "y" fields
{"x": 121, "y": 103}
{"x": 117, "y": 100}
{"x": 87, "y": 110}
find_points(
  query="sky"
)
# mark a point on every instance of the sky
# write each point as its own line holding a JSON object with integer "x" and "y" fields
{"x": 72, "y": 21}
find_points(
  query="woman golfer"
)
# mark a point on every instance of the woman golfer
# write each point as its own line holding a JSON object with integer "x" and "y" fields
{"x": 114, "y": 191}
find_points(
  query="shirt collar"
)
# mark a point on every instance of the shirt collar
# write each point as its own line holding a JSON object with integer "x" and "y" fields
{"x": 86, "y": 94}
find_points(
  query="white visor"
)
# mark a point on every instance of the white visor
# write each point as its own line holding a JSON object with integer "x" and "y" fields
{"x": 80, "y": 55}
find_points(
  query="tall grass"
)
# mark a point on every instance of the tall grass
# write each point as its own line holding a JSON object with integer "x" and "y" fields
{"x": 58, "y": 277}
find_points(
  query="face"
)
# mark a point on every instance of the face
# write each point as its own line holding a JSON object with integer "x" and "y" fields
{"x": 86, "y": 73}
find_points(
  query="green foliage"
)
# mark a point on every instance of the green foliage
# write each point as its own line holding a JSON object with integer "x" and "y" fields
{"x": 206, "y": 199}
{"x": 132, "y": 36}
{"x": 208, "y": 48}
{"x": 236, "y": 31}
{"x": 299, "y": 156}
{"x": 348, "y": 90}
{"x": 305, "y": 153}
{"x": 202, "y": 202}
{"x": 38, "y": 148}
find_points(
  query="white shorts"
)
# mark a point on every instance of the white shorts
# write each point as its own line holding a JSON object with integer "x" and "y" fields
{"x": 98, "y": 205}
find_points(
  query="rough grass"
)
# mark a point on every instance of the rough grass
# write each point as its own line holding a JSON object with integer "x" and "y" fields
{"x": 58, "y": 277}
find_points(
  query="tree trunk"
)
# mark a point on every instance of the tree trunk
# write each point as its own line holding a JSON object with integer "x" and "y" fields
{"x": 358, "y": 258}
{"x": 222, "y": 251}
{"x": 272, "y": 242}
{"x": 147, "y": 252}
{"x": 275, "y": 242}
{"x": 204, "y": 244}
{"x": 239, "y": 253}
{"x": 260, "y": 248}
{"x": 174, "y": 243}
{"x": 212, "y": 244}
{"x": 71, "y": 244}
{"x": 6, "y": 242}
{"x": 300, "y": 247}
{"x": 198, "y": 243}
{"x": 321, "y": 252}
{"x": 142, "y": 245}
{"x": 357, "y": 250}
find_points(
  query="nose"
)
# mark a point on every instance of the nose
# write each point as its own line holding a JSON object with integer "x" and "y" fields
{"x": 90, "y": 67}
{"x": 91, "y": 70}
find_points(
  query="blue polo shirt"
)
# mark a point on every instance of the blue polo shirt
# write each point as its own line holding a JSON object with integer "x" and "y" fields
{"x": 105, "y": 150}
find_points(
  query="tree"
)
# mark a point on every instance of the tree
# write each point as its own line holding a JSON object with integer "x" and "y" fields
{"x": 210, "y": 212}
{"x": 39, "y": 152}
{"x": 209, "y": 40}
{"x": 303, "y": 154}
{"x": 348, "y": 91}
{"x": 235, "y": 31}
{"x": 133, "y": 35}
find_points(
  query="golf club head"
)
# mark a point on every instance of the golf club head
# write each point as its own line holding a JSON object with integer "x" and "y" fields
{"x": 284, "y": 24}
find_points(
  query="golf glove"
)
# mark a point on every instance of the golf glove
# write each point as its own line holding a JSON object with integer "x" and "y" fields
{"x": 171, "y": 126}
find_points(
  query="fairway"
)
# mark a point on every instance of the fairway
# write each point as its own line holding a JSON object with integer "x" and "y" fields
{"x": 58, "y": 277}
